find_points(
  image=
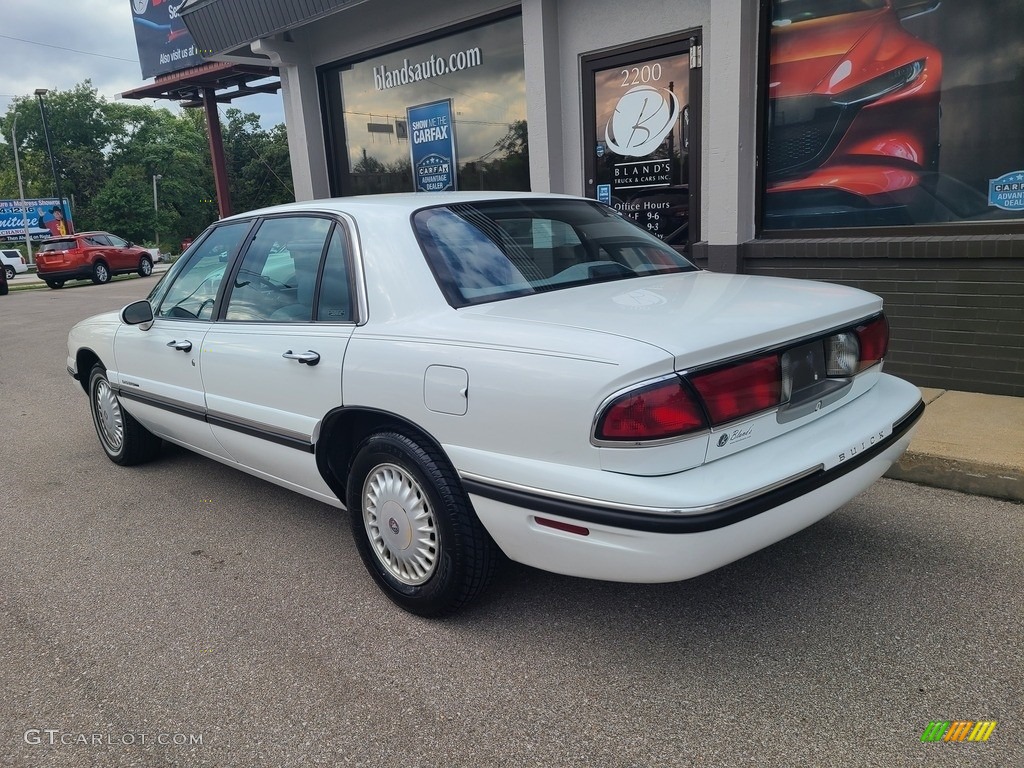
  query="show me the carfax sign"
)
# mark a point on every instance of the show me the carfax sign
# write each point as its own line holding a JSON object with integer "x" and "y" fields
{"x": 432, "y": 146}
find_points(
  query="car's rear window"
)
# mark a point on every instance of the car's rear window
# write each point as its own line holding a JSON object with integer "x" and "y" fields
{"x": 58, "y": 245}
{"x": 486, "y": 251}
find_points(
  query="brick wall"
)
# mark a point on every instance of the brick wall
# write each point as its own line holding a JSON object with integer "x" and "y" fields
{"x": 955, "y": 304}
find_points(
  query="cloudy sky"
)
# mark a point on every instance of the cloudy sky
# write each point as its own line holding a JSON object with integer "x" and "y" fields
{"x": 60, "y": 43}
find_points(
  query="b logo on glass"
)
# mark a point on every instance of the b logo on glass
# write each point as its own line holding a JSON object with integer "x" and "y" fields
{"x": 643, "y": 117}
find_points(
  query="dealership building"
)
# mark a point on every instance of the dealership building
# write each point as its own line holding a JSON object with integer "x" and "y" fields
{"x": 876, "y": 143}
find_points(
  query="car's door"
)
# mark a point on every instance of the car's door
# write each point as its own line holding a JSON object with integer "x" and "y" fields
{"x": 122, "y": 256}
{"x": 158, "y": 366}
{"x": 272, "y": 364}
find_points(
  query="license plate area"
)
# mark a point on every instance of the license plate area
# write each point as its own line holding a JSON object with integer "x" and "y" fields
{"x": 803, "y": 369}
{"x": 806, "y": 387}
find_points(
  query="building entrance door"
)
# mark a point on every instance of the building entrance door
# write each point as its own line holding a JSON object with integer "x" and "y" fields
{"x": 640, "y": 131}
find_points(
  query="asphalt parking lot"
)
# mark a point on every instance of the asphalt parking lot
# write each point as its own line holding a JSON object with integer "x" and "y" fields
{"x": 183, "y": 613}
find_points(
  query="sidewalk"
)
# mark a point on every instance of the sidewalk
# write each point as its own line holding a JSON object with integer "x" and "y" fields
{"x": 968, "y": 442}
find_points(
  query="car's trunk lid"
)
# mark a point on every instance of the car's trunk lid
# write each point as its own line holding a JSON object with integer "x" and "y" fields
{"x": 698, "y": 318}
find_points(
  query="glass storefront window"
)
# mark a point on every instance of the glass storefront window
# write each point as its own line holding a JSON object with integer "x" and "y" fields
{"x": 478, "y": 73}
{"x": 914, "y": 117}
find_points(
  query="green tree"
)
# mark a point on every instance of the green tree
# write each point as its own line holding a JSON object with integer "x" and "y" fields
{"x": 108, "y": 153}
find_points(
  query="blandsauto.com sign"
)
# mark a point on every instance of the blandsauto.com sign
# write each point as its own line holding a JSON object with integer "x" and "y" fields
{"x": 435, "y": 66}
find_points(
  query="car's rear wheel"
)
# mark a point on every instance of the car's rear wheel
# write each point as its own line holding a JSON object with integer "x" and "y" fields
{"x": 145, "y": 266}
{"x": 55, "y": 284}
{"x": 124, "y": 440}
{"x": 100, "y": 273}
{"x": 9, "y": 271}
{"x": 415, "y": 528}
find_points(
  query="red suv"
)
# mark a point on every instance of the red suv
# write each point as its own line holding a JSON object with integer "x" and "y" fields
{"x": 95, "y": 256}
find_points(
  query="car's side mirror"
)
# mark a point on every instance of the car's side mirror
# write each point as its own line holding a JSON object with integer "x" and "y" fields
{"x": 138, "y": 313}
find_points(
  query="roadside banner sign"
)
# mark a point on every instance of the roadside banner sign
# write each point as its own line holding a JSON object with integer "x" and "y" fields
{"x": 45, "y": 216}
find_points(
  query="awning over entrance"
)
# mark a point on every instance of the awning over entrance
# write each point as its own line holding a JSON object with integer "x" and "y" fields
{"x": 220, "y": 26}
{"x": 205, "y": 86}
{"x": 229, "y": 81}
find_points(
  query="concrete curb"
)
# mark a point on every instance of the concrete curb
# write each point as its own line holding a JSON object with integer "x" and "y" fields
{"x": 968, "y": 442}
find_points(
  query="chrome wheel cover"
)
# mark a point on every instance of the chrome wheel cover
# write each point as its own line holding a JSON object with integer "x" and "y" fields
{"x": 400, "y": 524}
{"x": 106, "y": 412}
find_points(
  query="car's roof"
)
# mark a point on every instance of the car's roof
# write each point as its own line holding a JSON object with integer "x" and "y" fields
{"x": 400, "y": 202}
{"x": 77, "y": 234}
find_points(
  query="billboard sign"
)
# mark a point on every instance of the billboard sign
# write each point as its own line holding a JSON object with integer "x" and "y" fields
{"x": 164, "y": 43}
{"x": 45, "y": 218}
{"x": 432, "y": 144}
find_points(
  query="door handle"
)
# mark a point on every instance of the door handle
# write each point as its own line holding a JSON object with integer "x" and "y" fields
{"x": 305, "y": 358}
{"x": 181, "y": 346}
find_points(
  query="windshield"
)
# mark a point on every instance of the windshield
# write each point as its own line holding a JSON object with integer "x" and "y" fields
{"x": 498, "y": 250}
{"x": 793, "y": 11}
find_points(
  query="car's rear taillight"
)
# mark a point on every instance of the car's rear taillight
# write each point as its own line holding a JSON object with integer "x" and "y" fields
{"x": 740, "y": 389}
{"x": 655, "y": 412}
{"x": 736, "y": 390}
{"x": 873, "y": 337}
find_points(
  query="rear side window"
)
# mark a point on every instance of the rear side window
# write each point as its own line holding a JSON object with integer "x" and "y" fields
{"x": 276, "y": 280}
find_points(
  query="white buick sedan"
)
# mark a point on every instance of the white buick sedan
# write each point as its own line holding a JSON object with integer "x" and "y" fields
{"x": 477, "y": 374}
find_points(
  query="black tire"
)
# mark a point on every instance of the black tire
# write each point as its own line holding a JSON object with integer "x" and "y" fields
{"x": 55, "y": 284}
{"x": 9, "y": 270}
{"x": 124, "y": 440}
{"x": 394, "y": 476}
{"x": 100, "y": 273}
{"x": 145, "y": 266}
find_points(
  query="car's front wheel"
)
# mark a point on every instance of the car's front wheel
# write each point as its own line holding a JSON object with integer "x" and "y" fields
{"x": 124, "y": 440}
{"x": 9, "y": 271}
{"x": 145, "y": 266}
{"x": 100, "y": 273}
{"x": 414, "y": 526}
{"x": 55, "y": 284}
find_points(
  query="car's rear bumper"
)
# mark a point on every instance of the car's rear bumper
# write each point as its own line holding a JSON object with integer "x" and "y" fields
{"x": 78, "y": 273}
{"x": 644, "y": 544}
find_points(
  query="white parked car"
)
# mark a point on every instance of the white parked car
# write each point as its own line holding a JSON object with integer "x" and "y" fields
{"x": 476, "y": 374}
{"x": 13, "y": 262}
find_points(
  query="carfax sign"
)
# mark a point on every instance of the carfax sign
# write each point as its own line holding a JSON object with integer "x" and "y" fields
{"x": 1007, "y": 192}
{"x": 432, "y": 145}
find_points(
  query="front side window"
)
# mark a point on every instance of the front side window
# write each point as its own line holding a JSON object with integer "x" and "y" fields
{"x": 276, "y": 280}
{"x": 192, "y": 290}
{"x": 483, "y": 252}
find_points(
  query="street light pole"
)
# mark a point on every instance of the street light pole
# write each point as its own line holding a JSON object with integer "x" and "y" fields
{"x": 156, "y": 213}
{"x": 21, "y": 189}
{"x": 40, "y": 92}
